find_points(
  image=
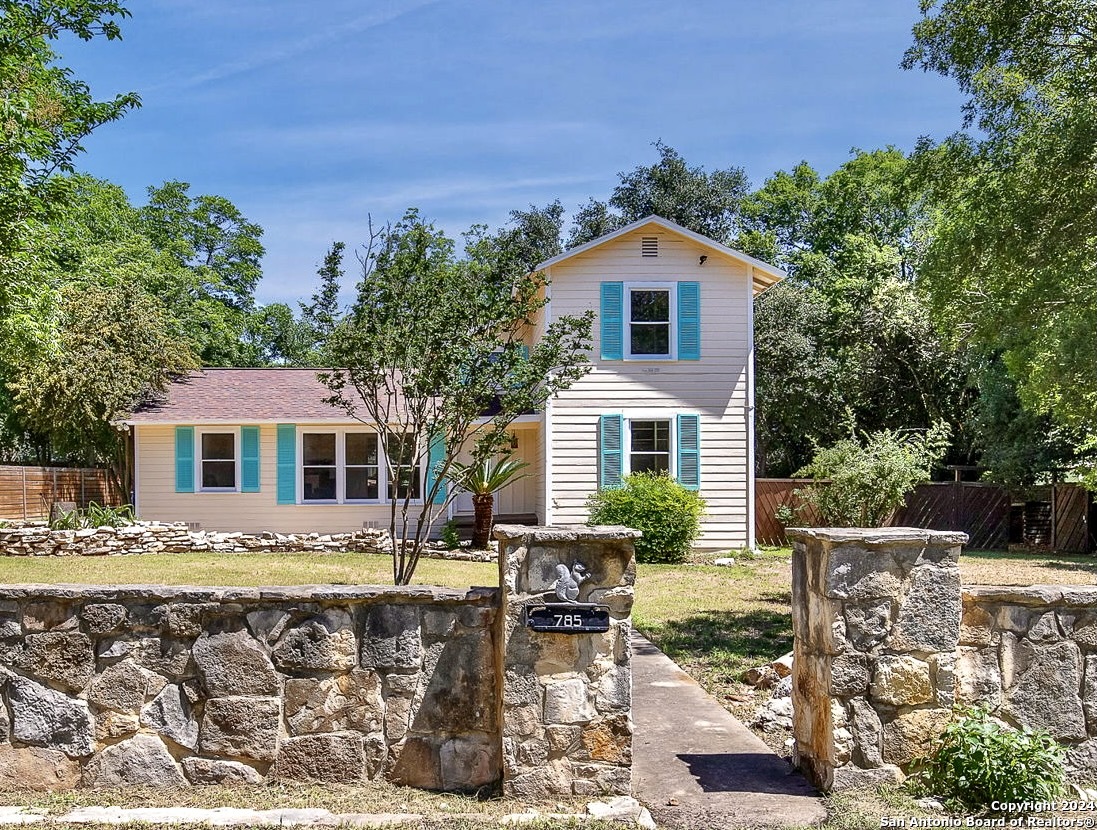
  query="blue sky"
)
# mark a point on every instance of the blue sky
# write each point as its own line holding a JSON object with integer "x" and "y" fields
{"x": 310, "y": 115}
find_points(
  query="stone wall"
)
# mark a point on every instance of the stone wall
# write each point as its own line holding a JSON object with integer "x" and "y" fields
{"x": 174, "y": 537}
{"x": 567, "y": 697}
{"x": 107, "y": 686}
{"x": 1030, "y": 656}
{"x": 429, "y": 687}
{"x": 887, "y": 642}
{"x": 876, "y": 621}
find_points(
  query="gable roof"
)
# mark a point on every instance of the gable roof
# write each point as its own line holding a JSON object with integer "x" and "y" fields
{"x": 241, "y": 396}
{"x": 764, "y": 274}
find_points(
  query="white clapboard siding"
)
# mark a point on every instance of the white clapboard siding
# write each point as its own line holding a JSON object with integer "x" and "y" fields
{"x": 714, "y": 387}
{"x": 245, "y": 512}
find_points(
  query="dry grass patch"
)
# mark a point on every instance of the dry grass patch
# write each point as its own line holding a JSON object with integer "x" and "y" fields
{"x": 374, "y": 797}
{"x": 243, "y": 569}
{"x": 982, "y": 567}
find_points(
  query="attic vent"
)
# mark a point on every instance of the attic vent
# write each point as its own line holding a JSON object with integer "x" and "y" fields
{"x": 649, "y": 246}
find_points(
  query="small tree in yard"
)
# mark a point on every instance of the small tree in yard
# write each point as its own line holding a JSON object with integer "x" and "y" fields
{"x": 482, "y": 479}
{"x": 860, "y": 485}
{"x": 433, "y": 358}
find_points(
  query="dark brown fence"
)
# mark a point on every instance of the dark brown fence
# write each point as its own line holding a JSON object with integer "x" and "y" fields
{"x": 28, "y": 492}
{"x": 1054, "y": 518}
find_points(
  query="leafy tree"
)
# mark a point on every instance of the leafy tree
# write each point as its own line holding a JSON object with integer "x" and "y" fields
{"x": 321, "y": 315}
{"x": 113, "y": 347}
{"x": 592, "y": 220}
{"x": 1012, "y": 265}
{"x": 848, "y": 341}
{"x": 482, "y": 479}
{"x": 272, "y": 336}
{"x": 210, "y": 236}
{"x": 532, "y": 236}
{"x": 860, "y": 485}
{"x": 707, "y": 203}
{"x": 431, "y": 344}
{"x": 47, "y": 114}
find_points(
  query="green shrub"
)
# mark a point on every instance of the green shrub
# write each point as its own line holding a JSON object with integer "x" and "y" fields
{"x": 94, "y": 515}
{"x": 859, "y": 485}
{"x": 667, "y": 513}
{"x": 450, "y": 537}
{"x": 980, "y": 761}
{"x": 98, "y": 515}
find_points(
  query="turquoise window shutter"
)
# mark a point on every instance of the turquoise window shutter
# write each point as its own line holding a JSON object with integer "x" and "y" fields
{"x": 611, "y": 430}
{"x": 184, "y": 459}
{"x": 434, "y": 457}
{"x": 249, "y": 459}
{"x": 612, "y": 319}
{"x": 689, "y": 321}
{"x": 286, "y": 458}
{"x": 689, "y": 451}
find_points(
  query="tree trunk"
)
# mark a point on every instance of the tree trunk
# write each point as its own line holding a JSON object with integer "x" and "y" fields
{"x": 481, "y": 520}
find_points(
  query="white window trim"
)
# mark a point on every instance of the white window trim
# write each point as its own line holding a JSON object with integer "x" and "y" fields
{"x": 340, "y": 434}
{"x": 672, "y": 290}
{"x": 198, "y": 433}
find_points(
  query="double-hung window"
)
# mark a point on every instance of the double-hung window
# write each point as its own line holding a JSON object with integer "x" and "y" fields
{"x": 650, "y": 321}
{"x": 217, "y": 461}
{"x": 649, "y": 442}
{"x": 649, "y": 446}
{"x": 339, "y": 466}
{"x": 402, "y": 454}
{"x": 319, "y": 466}
{"x": 362, "y": 466}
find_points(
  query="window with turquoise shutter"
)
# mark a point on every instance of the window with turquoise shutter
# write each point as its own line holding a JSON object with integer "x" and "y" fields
{"x": 610, "y": 450}
{"x": 286, "y": 463}
{"x": 184, "y": 459}
{"x": 689, "y": 321}
{"x": 689, "y": 451}
{"x": 612, "y": 320}
{"x": 249, "y": 459}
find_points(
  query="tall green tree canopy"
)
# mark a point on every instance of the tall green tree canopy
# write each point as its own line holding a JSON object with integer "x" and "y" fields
{"x": 1012, "y": 265}
{"x": 47, "y": 113}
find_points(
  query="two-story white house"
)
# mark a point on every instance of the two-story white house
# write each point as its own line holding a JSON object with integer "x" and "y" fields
{"x": 671, "y": 389}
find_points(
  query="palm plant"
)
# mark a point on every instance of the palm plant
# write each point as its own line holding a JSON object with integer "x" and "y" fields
{"x": 482, "y": 479}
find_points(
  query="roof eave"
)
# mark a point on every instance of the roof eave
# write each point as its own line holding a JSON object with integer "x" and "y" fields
{"x": 762, "y": 270}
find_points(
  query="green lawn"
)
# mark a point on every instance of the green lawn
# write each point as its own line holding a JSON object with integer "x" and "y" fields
{"x": 714, "y": 621}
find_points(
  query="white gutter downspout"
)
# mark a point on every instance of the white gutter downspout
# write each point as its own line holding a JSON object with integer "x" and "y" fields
{"x": 751, "y": 538}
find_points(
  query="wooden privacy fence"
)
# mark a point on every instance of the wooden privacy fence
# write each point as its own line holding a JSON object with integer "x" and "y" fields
{"x": 1052, "y": 517}
{"x": 28, "y": 492}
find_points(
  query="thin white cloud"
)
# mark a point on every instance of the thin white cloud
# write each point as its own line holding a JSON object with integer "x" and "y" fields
{"x": 298, "y": 46}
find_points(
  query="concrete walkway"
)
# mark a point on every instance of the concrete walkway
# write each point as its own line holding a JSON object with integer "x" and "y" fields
{"x": 695, "y": 766}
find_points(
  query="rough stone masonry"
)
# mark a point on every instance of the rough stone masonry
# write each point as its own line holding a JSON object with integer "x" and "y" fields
{"x": 887, "y": 641}
{"x": 153, "y": 685}
{"x": 428, "y": 687}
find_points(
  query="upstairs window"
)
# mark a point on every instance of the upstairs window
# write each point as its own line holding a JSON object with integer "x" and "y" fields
{"x": 649, "y": 321}
{"x": 218, "y": 461}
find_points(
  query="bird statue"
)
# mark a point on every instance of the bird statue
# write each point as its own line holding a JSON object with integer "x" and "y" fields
{"x": 568, "y": 582}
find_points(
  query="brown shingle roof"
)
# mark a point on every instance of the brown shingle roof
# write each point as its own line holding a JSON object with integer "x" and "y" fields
{"x": 242, "y": 396}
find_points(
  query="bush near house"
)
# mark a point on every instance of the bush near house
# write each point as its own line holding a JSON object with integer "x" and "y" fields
{"x": 668, "y": 514}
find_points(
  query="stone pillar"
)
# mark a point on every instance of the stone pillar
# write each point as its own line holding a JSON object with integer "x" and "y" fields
{"x": 566, "y": 697}
{"x": 876, "y": 620}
